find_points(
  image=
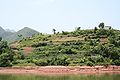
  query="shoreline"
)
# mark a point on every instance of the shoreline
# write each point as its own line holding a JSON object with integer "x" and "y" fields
{"x": 61, "y": 70}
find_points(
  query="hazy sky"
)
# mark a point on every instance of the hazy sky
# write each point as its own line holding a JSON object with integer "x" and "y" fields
{"x": 44, "y": 15}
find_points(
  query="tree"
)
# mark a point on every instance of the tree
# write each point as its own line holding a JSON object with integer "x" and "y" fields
{"x": 6, "y": 54}
{"x": 54, "y": 31}
{"x": 95, "y": 29}
{"x": 101, "y": 25}
{"x": 20, "y": 35}
{"x": 78, "y": 28}
{"x": 110, "y": 27}
{"x": 0, "y": 38}
{"x": 3, "y": 46}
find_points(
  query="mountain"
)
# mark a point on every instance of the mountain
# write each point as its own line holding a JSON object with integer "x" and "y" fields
{"x": 11, "y": 36}
{"x": 4, "y": 33}
{"x": 1, "y": 30}
{"x": 9, "y": 30}
{"x": 26, "y": 32}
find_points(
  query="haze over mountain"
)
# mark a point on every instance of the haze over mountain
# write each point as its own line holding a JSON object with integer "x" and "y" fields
{"x": 1, "y": 30}
{"x": 9, "y": 30}
{"x": 11, "y": 36}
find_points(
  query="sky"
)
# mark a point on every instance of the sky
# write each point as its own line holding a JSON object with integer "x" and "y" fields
{"x": 62, "y": 15}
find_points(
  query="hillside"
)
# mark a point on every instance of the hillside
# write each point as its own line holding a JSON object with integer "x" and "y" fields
{"x": 11, "y": 36}
{"x": 97, "y": 46}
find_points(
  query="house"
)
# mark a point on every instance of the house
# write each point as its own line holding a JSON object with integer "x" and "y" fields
{"x": 107, "y": 27}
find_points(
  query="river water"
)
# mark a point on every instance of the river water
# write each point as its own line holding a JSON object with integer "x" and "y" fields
{"x": 59, "y": 77}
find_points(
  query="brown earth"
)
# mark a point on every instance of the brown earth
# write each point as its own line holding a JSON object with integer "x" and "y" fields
{"x": 28, "y": 50}
{"x": 47, "y": 70}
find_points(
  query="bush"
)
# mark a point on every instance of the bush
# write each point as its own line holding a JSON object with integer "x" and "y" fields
{"x": 89, "y": 63}
{"x": 40, "y": 62}
{"x": 5, "y": 60}
{"x": 6, "y": 54}
{"x": 69, "y": 51}
{"x": 116, "y": 62}
{"x": 39, "y": 44}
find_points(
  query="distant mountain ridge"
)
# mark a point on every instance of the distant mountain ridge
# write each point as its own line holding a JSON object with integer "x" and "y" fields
{"x": 4, "y": 33}
{"x": 1, "y": 30}
{"x": 9, "y": 30}
{"x": 11, "y": 36}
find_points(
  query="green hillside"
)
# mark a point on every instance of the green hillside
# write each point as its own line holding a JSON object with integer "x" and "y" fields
{"x": 99, "y": 46}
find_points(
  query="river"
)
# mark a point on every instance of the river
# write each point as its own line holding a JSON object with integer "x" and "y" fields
{"x": 59, "y": 77}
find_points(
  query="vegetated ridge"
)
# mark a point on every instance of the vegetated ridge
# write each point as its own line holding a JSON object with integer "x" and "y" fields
{"x": 98, "y": 46}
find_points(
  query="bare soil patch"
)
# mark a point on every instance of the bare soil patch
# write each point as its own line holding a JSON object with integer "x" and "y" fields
{"x": 46, "y": 70}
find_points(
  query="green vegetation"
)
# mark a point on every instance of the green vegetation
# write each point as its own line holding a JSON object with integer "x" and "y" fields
{"x": 6, "y": 54}
{"x": 98, "y": 46}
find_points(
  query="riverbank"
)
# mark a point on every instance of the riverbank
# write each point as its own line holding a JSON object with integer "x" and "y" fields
{"x": 46, "y": 70}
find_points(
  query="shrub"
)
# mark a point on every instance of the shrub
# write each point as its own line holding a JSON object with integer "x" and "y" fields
{"x": 4, "y": 60}
{"x": 39, "y": 44}
{"x": 116, "y": 62}
{"x": 40, "y": 62}
{"x": 89, "y": 63}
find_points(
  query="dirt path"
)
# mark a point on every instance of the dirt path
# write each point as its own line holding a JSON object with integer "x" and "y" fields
{"x": 46, "y": 70}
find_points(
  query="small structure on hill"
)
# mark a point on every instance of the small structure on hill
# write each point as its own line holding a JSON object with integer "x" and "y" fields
{"x": 107, "y": 27}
